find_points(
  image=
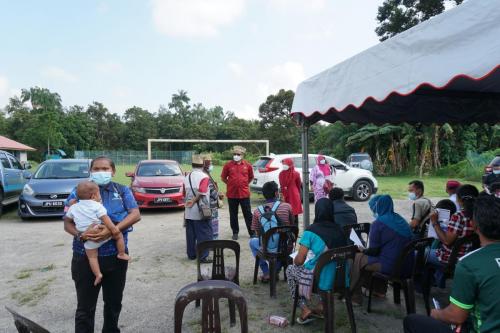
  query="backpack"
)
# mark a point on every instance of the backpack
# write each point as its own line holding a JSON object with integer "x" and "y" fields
{"x": 269, "y": 219}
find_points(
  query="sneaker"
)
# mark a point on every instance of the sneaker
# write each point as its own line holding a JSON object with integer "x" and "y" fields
{"x": 235, "y": 237}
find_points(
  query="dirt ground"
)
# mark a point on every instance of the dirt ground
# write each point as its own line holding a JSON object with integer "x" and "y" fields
{"x": 36, "y": 280}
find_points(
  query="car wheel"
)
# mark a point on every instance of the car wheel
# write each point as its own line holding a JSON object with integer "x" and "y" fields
{"x": 362, "y": 190}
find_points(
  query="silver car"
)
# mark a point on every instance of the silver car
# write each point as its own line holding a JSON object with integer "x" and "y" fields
{"x": 50, "y": 186}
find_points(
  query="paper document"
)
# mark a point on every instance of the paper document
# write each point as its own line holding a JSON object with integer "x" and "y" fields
{"x": 432, "y": 232}
{"x": 294, "y": 254}
{"x": 443, "y": 214}
{"x": 354, "y": 237}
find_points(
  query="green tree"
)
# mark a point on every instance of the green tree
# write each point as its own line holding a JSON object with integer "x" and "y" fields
{"x": 79, "y": 130}
{"x": 140, "y": 125}
{"x": 276, "y": 122}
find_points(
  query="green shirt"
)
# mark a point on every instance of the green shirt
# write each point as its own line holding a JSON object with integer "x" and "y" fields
{"x": 476, "y": 287}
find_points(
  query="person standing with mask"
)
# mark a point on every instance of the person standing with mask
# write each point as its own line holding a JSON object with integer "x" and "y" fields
{"x": 319, "y": 177}
{"x": 237, "y": 174}
{"x": 290, "y": 185}
{"x": 123, "y": 212}
{"x": 215, "y": 196}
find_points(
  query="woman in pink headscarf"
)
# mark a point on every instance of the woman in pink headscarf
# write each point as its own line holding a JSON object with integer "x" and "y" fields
{"x": 318, "y": 177}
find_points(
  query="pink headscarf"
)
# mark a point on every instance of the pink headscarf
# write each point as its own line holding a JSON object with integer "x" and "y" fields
{"x": 325, "y": 168}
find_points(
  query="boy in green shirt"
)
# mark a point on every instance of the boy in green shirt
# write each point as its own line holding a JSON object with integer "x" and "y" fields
{"x": 476, "y": 284}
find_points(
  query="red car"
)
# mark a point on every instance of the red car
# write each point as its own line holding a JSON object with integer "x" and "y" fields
{"x": 158, "y": 184}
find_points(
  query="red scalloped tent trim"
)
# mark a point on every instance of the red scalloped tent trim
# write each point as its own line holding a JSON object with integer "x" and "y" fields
{"x": 456, "y": 77}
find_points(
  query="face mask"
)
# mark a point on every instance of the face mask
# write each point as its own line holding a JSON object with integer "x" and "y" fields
{"x": 210, "y": 168}
{"x": 496, "y": 172}
{"x": 285, "y": 167}
{"x": 322, "y": 162}
{"x": 237, "y": 158}
{"x": 101, "y": 177}
{"x": 412, "y": 196}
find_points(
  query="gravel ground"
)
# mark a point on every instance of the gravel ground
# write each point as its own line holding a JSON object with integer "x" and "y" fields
{"x": 36, "y": 280}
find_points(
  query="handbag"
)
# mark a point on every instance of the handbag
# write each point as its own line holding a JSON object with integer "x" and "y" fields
{"x": 220, "y": 202}
{"x": 205, "y": 211}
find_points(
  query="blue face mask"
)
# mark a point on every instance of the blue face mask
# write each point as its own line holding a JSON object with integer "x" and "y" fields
{"x": 496, "y": 172}
{"x": 101, "y": 177}
{"x": 210, "y": 168}
{"x": 412, "y": 196}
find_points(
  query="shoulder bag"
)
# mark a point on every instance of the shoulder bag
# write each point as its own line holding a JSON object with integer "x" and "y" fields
{"x": 205, "y": 211}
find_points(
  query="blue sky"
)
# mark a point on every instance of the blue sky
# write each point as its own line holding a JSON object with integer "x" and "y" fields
{"x": 231, "y": 53}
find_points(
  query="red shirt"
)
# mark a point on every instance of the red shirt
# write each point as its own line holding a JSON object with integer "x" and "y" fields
{"x": 237, "y": 176}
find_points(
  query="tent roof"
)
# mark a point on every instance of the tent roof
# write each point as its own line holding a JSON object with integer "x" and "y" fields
{"x": 8, "y": 144}
{"x": 446, "y": 69}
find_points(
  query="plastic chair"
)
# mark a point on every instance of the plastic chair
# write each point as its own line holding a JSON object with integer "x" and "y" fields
{"x": 281, "y": 255}
{"x": 209, "y": 292}
{"x": 219, "y": 270}
{"x": 401, "y": 281}
{"x": 340, "y": 256}
{"x": 24, "y": 325}
{"x": 449, "y": 269}
{"x": 362, "y": 229}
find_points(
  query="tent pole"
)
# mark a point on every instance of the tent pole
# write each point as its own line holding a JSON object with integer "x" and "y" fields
{"x": 305, "y": 171}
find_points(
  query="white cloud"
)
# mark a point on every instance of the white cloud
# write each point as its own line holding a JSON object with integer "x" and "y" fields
{"x": 57, "y": 73}
{"x": 103, "y": 7}
{"x": 299, "y": 5}
{"x": 235, "y": 68}
{"x": 194, "y": 18}
{"x": 4, "y": 86}
{"x": 108, "y": 67}
{"x": 284, "y": 76}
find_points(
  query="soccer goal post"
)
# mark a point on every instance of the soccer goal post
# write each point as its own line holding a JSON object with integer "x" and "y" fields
{"x": 150, "y": 141}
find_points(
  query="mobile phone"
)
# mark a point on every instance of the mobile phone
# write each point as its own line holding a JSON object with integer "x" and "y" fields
{"x": 436, "y": 303}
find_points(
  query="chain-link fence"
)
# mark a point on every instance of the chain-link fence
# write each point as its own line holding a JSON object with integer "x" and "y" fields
{"x": 134, "y": 156}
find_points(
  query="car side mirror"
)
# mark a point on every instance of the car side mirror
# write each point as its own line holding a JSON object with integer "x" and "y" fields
{"x": 27, "y": 166}
{"x": 129, "y": 174}
{"x": 27, "y": 175}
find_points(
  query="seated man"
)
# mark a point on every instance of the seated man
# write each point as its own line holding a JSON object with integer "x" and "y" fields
{"x": 342, "y": 212}
{"x": 476, "y": 284}
{"x": 421, "y": 207}
{"x": 282, "y": 215}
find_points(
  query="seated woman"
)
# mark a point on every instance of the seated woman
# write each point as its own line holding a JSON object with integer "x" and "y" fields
{"x": 324, "y": 234}
{"x": 459, "y": 226}
{"x": 389, "y": 234}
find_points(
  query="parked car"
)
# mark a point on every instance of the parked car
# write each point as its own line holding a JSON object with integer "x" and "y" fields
{"x": 357, "y": 183}
{"x": 360, "y": 160}
{"x": 13, "y": 176}
{"x": 158, "y": 184}
{"x": 489, "y": 176}
{"x": 53, "y": 181}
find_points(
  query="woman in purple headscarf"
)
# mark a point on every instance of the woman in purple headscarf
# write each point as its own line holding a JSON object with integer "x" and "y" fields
{"x": 318, "y": 177}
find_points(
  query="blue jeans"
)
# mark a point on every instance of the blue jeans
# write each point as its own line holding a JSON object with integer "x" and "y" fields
{"x": 438, "y": 266}
{"x": 254, "y": 244}
{"x": 197, "y": 231}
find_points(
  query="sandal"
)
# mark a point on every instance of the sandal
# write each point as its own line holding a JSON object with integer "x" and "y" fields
{"x": 264, "y": 279}
{"x": 306, "y": 320}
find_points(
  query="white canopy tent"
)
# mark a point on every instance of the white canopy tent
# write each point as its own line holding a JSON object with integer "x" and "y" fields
{"x": 444, "y": 70}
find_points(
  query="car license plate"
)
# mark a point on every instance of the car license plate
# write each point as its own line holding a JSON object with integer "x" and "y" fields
{"x": 53, "y": 204}
{"x": 255, "y": 181}
{"x": 163, "y": 200}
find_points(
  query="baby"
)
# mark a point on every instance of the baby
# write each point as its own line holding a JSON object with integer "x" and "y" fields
{"x": 89, "y": 211}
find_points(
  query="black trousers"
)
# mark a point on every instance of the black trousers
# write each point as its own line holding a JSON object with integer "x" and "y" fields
{"x": 114, "y": 273}
{"x": 416, "y": 323}
{"x": 233, "y": 214}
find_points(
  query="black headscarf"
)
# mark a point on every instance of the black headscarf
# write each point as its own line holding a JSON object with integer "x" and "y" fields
{"x": 324, "y": 225}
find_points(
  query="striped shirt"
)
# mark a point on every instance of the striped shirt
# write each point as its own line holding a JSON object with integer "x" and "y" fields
{"x": 284, "y": 213}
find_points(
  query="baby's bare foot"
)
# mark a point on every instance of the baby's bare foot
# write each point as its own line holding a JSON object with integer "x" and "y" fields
{"x": 123, "y": 256}
{"x": 98, "y": 279}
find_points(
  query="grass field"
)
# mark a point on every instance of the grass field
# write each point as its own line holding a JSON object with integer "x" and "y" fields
{"x": 396, "y": 186}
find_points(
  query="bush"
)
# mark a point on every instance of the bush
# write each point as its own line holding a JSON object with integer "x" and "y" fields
{"x": 472, "y": 168}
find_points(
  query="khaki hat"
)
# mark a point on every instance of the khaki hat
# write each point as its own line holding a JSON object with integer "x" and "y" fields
{"x": 239, "y": 150}
{"x": 206, "y": 157}
{"x": 197, "y": 159}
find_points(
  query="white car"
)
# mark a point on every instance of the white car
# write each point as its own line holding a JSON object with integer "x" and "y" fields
{"x": 356, "y": 183}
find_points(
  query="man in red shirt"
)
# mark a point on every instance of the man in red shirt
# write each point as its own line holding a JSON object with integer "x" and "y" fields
{"x": 237, "y": 174}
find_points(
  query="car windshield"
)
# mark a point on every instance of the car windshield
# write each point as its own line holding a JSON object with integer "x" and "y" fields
{"x": 261, "y": 163}
{"x": 62, "y": 170}
{"x": 158, "y": 169}
{"x": 359, "y": 158}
